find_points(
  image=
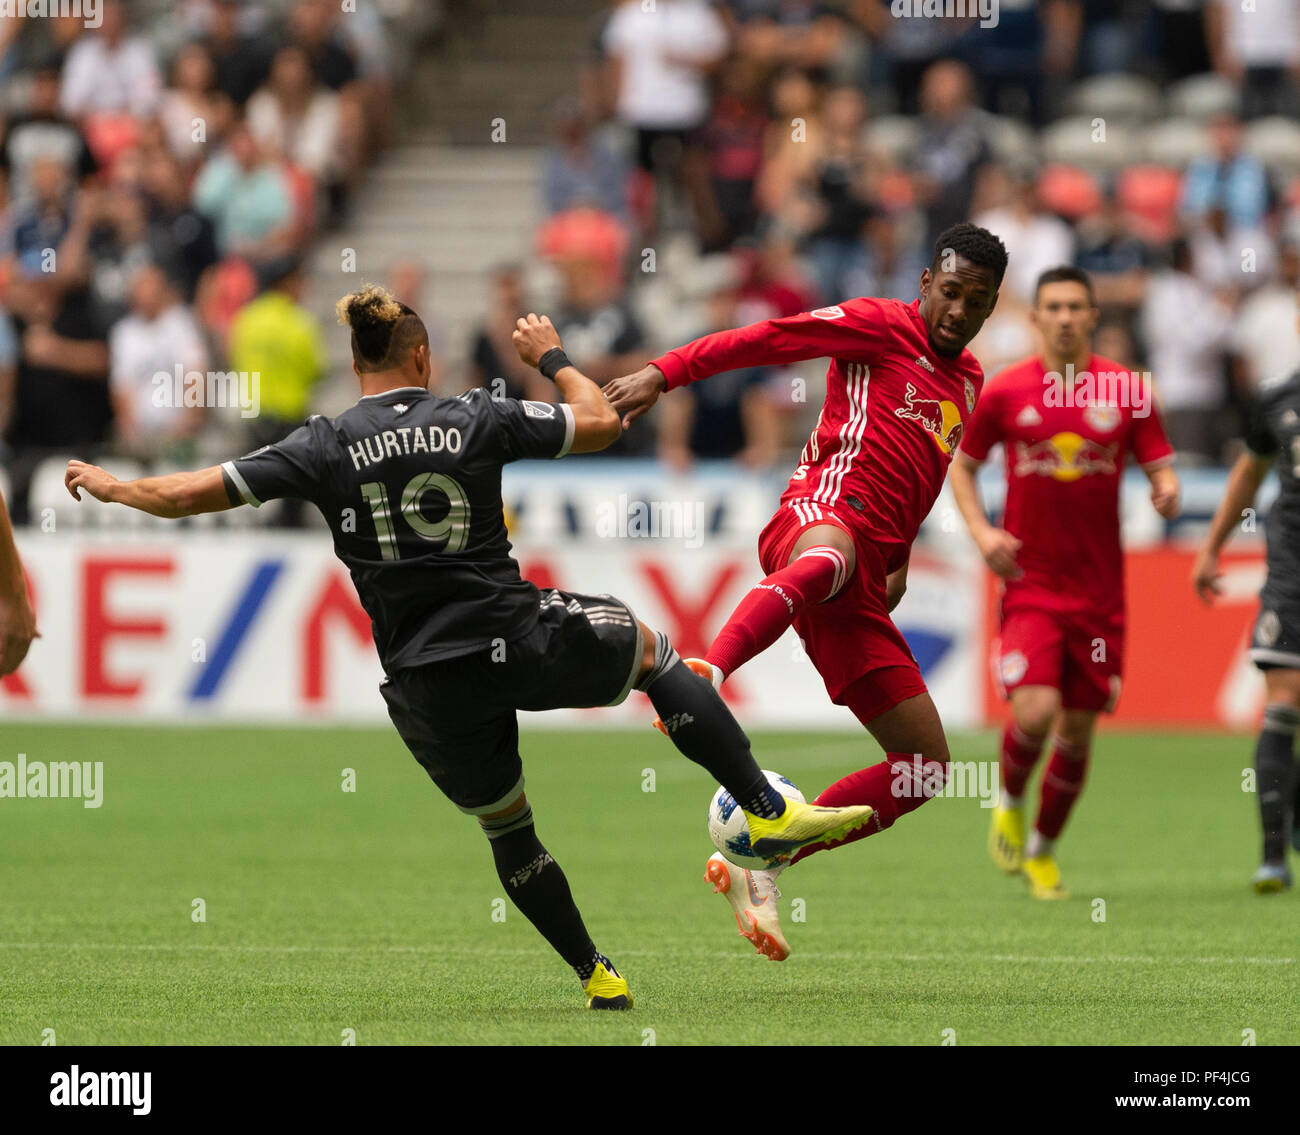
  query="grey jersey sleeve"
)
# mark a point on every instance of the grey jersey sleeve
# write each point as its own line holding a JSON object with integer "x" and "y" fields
{"x": 530, "y": 429}
{"x": 289, "y": 468}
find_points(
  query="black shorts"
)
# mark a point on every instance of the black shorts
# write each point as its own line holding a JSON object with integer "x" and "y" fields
{"x": 1275, "y": 642}
{"x": 457, "y": 716}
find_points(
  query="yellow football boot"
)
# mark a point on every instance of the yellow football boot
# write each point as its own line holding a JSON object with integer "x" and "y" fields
{"x": 607, "y": 990}
{"x": 802, "y": 824}
{"x": 1007, "y": 838}
{"x": 1044, "y": 878}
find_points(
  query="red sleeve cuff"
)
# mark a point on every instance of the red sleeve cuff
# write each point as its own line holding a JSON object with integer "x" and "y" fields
{"x": 674, "y": 370}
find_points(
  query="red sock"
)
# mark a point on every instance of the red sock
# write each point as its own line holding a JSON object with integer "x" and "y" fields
{"x": 1062, "y": 783}
{"x": 770, "y": 607}
{"x": 901, "y": 783}
{"x": 1020, "y": 752}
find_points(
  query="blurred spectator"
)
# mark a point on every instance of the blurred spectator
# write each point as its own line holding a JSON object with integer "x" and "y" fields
{"x": 791, "y": 33}
{"x": 181, "y": 239}
{"x": 247, "y": 197}
{"x": 1008, "y": 335}
{"x": 242, "y": 59}
{"x": 1035, "y": 240}
{"x": 1265, "y": 337}
{"x": 194, "y": 113}
{"x": 1009, "y": 56}
{"x": 585, "y": 233}
{"x": 108, "y": 241}
{"x": 1180, "y": 32}
{"x": 724, "y": 157}
{"x": 1113, "y": 340}
{"x": 1257, "y": 47}
{"x": 907, "y": 48}
{"x": 493, "y": 361}
{"x": 579, "y": 168}
{"x": 774, "y": 281}
{"x": 952, "y": 149}
{"x": 733, "y": 415}
{"x": 36, "y": 226}
{"x": 43, "y": 132}
{"x": 61, "y": 402}
{"x": 1110, "y": 36}
{"x": 1224, "y": 256}
{"x": 843, "y": 195}
{"x": 1227, "y": 178}
{"x": 297, "y": 119}
{"x": 790, "y": 149}
{"x": 8, "y": 372}
{"x": 1186, "y": 328}
{"x": 656, "y": 62}
{"x": 1116, "y": 260}
{"x": 109, "y": 71}
{"x": 314, "y": 26}
{"x": 145, "y": 349}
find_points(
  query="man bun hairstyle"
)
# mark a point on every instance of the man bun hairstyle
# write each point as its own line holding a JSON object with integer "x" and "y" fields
{"x": 972, "y": 243}
{"x": 384, "y": 331}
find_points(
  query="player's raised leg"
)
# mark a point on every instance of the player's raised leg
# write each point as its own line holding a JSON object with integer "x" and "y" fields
{"x": 699, "y": 723}
{"x": 1033, "y": 709}
{"x": 1276, "y": 775}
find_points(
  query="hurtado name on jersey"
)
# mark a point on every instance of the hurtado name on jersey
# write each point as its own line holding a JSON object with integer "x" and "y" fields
{"x": 403, "y": 441}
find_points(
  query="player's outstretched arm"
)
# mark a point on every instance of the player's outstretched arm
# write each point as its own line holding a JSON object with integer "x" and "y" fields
{"x": 1243, "y": 483}
{"x": 17, "y": 619}
{"x": 171, "y": 496}
{"x": 633, "y": 394}
{"x": 595, "y": 424}
{"x": 996, "y": 545}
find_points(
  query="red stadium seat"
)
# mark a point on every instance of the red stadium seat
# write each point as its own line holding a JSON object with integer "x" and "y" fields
{"x": 1150, "y": 195}
{"x": 1069, "y": 192}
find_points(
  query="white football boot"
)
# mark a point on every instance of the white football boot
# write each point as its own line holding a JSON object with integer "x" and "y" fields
{"x": 753, "y": 896}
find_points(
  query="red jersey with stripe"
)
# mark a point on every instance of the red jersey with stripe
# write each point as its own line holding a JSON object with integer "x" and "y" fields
{"x": 892, "y": 419}
{"x": 1065, "y": 453}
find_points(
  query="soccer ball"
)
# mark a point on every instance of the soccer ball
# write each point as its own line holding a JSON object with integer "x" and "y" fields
{"x": 729, "y": 830}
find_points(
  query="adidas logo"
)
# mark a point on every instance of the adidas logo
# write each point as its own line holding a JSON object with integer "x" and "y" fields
{"x": 922, "y": 361}
{"x": 1029, "y": 417}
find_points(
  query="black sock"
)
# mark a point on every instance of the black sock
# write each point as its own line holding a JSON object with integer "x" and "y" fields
{"x": 703, "y": 729}
{"x": 537, "y": 886}
{"x": 1274, "y": 770}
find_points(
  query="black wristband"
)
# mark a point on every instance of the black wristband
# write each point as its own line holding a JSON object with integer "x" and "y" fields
{"x": 554, "y": 361}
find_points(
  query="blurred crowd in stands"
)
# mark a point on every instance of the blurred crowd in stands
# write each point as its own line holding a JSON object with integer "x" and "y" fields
{"x": 813, "y": 150}
{"x": 163, "y": 174}
{"x": 716, "y": 163}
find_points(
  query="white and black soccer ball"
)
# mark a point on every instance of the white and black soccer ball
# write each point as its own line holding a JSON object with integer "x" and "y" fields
{"x": 730, "y": 831}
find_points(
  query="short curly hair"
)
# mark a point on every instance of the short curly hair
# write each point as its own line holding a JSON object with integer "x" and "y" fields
{"x": 972, "y": 243}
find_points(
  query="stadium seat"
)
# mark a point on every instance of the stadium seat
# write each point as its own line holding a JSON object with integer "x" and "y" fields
{"x": 1150, "y": 194}
{"x": 894, "y": 136}
{"x": 1202, "y": 96}
{"x": 1275, "y": 142}
{"x": 1069, "y": 192}
{"x": 1012, "y": 141}
{"x": 1175, "y": 142}
{"x": 1071, "y": 141}
{"x": 1117, "y": 98}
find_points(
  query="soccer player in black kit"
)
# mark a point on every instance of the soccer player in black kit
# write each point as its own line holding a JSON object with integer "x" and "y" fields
{"x": 1273, "y": 437}
{"x": 410, "y": 485}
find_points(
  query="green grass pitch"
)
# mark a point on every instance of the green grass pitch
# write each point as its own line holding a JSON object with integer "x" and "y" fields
{"x": 373, "y": 910}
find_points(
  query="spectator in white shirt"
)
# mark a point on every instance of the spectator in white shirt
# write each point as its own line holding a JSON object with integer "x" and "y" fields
{"x": 297, "y": 118}
{"x": 1187, "y": 329}
{"x": 145, "y": 349}
{"x": 1265, "y": 338}
{"x": 1035, "y": 240}
{"x": 109, "y": 71}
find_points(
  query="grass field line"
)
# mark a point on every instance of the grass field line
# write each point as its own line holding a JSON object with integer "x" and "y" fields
{"x": 818, "y": 955}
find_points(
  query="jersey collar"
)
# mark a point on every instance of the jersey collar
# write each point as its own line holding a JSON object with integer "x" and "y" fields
{"x": 395, "y": 390}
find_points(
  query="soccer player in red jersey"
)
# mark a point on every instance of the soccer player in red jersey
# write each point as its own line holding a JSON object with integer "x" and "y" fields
{"x": 1067, "y": 419}
{"x": 899, "y": 390}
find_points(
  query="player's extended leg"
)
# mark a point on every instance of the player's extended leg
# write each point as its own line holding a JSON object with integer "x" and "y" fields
{"x": 1276, "y": 776}
{"x": 537, "y": 886}
{"x": 699, "y": 723}
{"x": 1062, "y": 783}
{"x": 915, "y": 767}
{"x": 1033, "y": 709}
{"x": 820, "y": 563}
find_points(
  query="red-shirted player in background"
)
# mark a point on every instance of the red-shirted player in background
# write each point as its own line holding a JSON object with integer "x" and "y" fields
{"x": 1067, "y": 420}
{"x": 899, "y": 390}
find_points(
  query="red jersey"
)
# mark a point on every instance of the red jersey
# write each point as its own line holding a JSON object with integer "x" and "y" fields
{"x": 893, "y": 415}
{"x": 1065, "y": 452}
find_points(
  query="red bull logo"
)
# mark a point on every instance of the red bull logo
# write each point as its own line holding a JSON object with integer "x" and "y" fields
{"x": 941, "y": 419}
{"x": 1064, "y": 457}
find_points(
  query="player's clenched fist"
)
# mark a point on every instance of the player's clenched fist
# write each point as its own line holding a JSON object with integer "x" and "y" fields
{"x": 92, "y": 478}
{"x": 533, "y": 336}
{"x": 1206, "y": 576}
{"x": 999, "y": 548}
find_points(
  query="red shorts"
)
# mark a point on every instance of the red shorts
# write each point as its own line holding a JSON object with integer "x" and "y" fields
{"x": 1080, "y": 655}
{"x": 850, "y": 635}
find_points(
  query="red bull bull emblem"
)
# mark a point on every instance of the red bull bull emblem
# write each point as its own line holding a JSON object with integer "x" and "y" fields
{"x": 941, "y": 419}
{"x": 1064, "y": 457}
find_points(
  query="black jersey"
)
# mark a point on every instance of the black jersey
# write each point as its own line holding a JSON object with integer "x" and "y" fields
{"x": 410, "y": 486}
{"x": 1275, "y": 432}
